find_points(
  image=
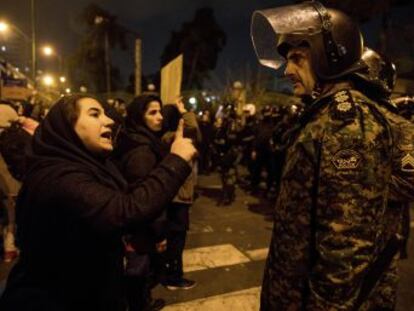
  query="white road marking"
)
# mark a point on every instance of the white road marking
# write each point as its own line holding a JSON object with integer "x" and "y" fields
{"x": 258, "y": 254}
{"x": 202, "y": 258}
{"x": 244, "y": 300}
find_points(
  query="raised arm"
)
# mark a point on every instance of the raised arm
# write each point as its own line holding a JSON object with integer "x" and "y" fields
{"x": 107, "y": 210}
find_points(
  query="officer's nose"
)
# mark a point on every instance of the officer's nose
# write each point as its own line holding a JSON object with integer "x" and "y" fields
{"x": 288, "y": 70}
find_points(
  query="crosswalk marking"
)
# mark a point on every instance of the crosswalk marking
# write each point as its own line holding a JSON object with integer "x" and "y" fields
{"x": 244, "y": 300}
{"x": 258, "y": 254}
{"x": 200, "y": 228}
{"x": 202, "y": 258}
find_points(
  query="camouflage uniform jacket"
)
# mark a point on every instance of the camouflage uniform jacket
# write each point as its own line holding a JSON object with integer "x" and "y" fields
{"x": 329, "y": 222}
{"x": 402, "y": 183}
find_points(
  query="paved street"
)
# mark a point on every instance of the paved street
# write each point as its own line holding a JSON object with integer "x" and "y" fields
{"x": 226, "y": 250}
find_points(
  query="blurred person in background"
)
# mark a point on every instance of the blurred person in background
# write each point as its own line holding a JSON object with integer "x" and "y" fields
{"x": 15, "y": 138}
{"x": 206, "y": 129}
{"x": 225, "y": 139}
{"x": 405, "y": 108}
{"x": 377, "y": 79}
{"x": 139, "y": 150}
{"x": 9, "y": 186}
{"x": 262, "y": 155}
{"x": 247, "y": 136}
{"x": 178, "y": 214}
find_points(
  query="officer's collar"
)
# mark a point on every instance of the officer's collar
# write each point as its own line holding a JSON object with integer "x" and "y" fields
{"x": 333, "y": 88}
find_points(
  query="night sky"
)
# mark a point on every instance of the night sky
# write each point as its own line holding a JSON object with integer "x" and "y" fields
{"x": 154, "y": 20}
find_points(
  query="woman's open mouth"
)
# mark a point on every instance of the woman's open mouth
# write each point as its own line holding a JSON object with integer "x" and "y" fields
{"x": 107, "y": 135}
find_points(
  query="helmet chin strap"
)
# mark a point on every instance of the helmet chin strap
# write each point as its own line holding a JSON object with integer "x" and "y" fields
{"x": 332, "y": 50}
{"x": 308, "y": 99}
{"x": 317, "y": 91}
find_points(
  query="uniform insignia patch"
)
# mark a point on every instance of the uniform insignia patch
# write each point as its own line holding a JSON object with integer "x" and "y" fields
{"x": 346, "y": 159}
{"x": 341, "y": 97}
{"x": 343, "y": 107}
{"x": 407, "y": 163}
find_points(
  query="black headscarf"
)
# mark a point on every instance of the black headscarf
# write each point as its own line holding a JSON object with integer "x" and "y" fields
{"x": 137, "y": 132}
{"x": 171, "y": 118}
{"x": 56, "y": 144}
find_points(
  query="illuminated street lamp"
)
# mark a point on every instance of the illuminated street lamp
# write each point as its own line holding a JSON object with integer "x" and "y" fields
{"x": 48, "y": 50}
{"x": 62, "y": 79}
{"x": 4, "y": 27}
{"x": 48, "y": 80}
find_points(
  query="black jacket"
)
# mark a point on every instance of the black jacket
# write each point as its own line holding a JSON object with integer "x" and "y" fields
{"x": 14, "y": 142}
{"x": 72, "y": 212}
{"x": 139, "y": 152}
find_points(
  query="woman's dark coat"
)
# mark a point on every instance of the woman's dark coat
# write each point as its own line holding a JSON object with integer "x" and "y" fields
{"x": 72, "y": 212}
{"x": 139, "y": 151}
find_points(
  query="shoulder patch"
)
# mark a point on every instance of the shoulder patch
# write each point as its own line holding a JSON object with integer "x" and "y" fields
{"x": 405, "y": 137}
{"x": 407, "y": 163}
{"x": 343, "y": 106}
{"x": 346, "y": 159}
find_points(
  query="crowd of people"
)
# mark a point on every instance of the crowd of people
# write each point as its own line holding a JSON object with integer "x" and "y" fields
{"x": 109, "y": 185}
{"x": 249, "y": 140}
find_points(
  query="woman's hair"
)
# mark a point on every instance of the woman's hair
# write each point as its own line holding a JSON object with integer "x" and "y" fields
{"x": 137, "y": 108}
{"x": 71, "y": 107}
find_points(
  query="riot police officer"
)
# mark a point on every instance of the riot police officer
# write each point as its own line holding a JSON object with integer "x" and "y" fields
{"x": 224, "y": 144}
{"x": 377, "y": 80}
{"x": 405, "y": 108}
{"x": 247, "y": 136}
{"x": 262, "y": 156}
{"x": 329, "y": 221}
{"x": 282, "y": 128}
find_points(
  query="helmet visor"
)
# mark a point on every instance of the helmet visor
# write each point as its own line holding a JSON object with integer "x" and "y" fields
{"x": 271, "y": 27}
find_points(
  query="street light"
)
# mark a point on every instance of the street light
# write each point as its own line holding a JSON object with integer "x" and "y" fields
{"x": 48, "y": 50}
{"x": 48, "y": 80}
{"x": 5, "y": 27}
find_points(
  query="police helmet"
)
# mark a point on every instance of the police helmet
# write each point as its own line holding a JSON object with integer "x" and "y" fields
{"x": 377, "y": 73}
{"x": 334, "y": 39}
{"x": 266, "y": 111}
{"x": 405, "y": 106}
